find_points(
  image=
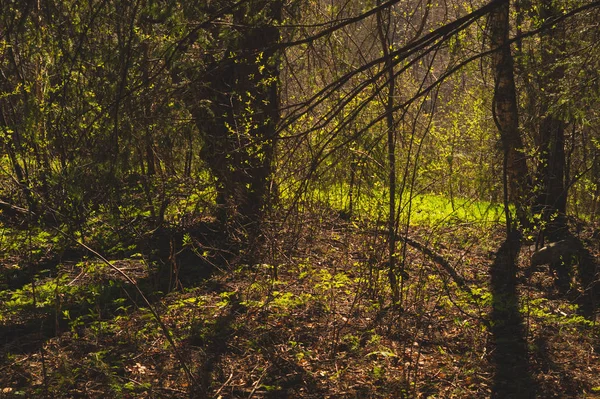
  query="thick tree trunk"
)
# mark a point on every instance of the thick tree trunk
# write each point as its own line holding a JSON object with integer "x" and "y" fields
{"x": 240, "y": 139}
{"x": 506, "y": 113}
{"x": 232, "y": 95}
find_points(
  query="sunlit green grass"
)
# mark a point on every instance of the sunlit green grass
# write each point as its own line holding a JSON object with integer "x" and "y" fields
{"x": 419, "y": 210}
{"x": 432, "y": 209}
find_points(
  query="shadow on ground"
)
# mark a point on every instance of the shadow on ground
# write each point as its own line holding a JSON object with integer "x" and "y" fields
{"x": 588, "y": 276}
{"x": 512, "y": 377}
{"x": 278, "y": 377}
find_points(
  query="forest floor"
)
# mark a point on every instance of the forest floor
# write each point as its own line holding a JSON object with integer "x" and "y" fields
{"x": 314, "y": 322}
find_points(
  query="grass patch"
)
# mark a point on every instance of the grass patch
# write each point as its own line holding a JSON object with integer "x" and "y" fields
{"x": 422, "y": 209}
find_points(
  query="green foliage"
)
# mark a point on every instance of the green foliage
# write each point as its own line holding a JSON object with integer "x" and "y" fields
{"x": 378, "y": 371}
{"x": 325, "y": 282}
{"x": 431, "y": 210}
{"x": 191, "y": 302}
{"x": 33, "y": 243}
{"x": 47, "y": 295}
{"x": 566, "y": 315}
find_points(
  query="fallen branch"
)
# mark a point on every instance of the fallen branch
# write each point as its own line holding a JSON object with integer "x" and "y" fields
{"x": 438, "y": 259}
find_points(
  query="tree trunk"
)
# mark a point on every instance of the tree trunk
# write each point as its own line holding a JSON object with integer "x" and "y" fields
{"x": 386, "y": 43}
{"x": 234, "y": 100}
{"x": 240, "y": 142}
{"x": 506, "y": 115}
{"x": 551, "y": 201}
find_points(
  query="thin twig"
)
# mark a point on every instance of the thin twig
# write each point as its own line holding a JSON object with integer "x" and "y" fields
{"x": 224, "y": 385}
{"x": 257, "y": 383}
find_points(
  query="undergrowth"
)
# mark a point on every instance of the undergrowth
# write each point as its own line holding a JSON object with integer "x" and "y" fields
{"x": 315, "y": 320}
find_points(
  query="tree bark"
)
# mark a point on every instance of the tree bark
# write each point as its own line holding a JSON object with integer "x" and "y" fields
{"x": 234, "y": 100}
{"x": 506, "y": 114}
{"x": 239, "y": 145}
{"x": 551, "y": 201}
{"x": 386, "y": 42}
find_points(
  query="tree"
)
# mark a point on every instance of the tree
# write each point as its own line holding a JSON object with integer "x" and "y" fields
{"x": 386, "y": 40}
{"x": 506, "y": 114}
{"x": 233, "y": 99}
{"x": 551, "y": 200}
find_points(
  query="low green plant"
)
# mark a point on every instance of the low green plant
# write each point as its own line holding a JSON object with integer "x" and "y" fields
{"x": 351, "y": 341}
{"x": 566, "y": 315}
{"x": 325, "y": 281}
{"x": 378, "y": 371}
{"x": 284, "y": 302}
